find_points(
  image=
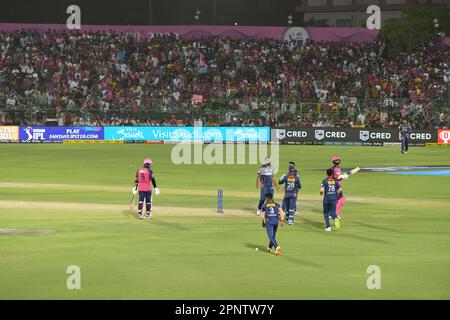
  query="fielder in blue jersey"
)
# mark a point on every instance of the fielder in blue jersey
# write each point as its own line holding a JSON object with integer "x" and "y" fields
{"x": 267, "y": 181}
{"x": 271, "y": 214}
{"x": 330, "y": 189}
{"x": 405, "y": 130}
{"x": 291, "y": 180}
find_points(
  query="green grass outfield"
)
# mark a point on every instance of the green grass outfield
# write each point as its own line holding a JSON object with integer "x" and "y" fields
{"x": 64, "y": 205}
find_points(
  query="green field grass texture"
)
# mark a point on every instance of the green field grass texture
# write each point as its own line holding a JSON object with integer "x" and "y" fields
{"x": 64, "y": 205}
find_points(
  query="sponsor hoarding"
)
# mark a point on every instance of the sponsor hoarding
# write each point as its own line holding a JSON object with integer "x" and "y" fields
{"x": 49, "y": 134}
{"x": 194, "y": 134}
{"x": 443, "y": 136}
{"x": 91, "y": 141}
{"x": 9, "y": 133}
{"x": 365, "y": 136}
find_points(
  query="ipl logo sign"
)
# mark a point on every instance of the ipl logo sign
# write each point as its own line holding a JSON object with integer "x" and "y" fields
{"x": 296, "y": 34}
{"x": 443, "y": 136}
{"x": 34, "y": 134}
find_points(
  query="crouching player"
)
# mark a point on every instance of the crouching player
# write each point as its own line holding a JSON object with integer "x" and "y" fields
{"x": 291, "y": 180}
{"x": 267, "y": 181}
{"x": 339, "y": 176}
{"x": 143, "y": 177}
{"x": 330, "y": 190}
{"x": 271, "y": 212}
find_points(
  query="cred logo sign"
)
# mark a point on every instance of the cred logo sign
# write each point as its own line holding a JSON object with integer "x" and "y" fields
{"x": 366, "y": 135}
{"x": 443, "y": 136}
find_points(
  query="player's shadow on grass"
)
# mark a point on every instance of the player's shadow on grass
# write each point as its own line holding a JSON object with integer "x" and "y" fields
{"x": 262, "y": 249}
{"x": 132, "y": 214}
{"x": 129, "y": 213}
{"x": 250, "y": 209}
{"x": 254, "y": 246}
{"x": 315, "y": 224}
{"x": 371, "y": 226}
{"x": 354, "y": 236}
{"x": 300, "y": 262}
{"x": 168, "y": 225}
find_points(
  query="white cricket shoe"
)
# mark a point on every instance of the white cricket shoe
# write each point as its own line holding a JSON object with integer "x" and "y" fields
{"x": 328, "y": 229}
{"x": 141, "y": 216}
{"x": 258, "y": 212}
{"x": 148, "y": 216}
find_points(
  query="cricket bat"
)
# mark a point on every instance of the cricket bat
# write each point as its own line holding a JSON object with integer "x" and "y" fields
{"x": 353, "y": 171}
{"x": 132, "y": 200}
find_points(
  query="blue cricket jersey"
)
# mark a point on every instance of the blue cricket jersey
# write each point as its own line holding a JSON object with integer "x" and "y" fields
{"x": 271, "y": 212}
{"x": 265, "y": 174}
{"x": 330, "y": 186}
{"x": 405, "y": 130}
{"x": 292, "y": 183}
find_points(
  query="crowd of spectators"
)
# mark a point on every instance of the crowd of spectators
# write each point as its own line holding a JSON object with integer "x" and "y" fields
{"x": 105, "y": 78}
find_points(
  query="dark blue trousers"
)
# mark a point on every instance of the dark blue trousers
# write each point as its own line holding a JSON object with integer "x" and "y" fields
{"x": 405, "y": 144}
{"x": 289, "y": 206}
{"x": 271, "y": 232}
{"x": 329, "y": 209}
{"x": 147, "y": 197}
{"x": 262, "y": 196}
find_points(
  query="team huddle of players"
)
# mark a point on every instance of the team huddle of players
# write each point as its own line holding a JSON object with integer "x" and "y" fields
{"x": 271, "y": 212}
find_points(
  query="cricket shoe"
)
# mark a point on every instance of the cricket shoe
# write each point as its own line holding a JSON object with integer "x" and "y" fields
{"x": 328, "y": 229}
{"x": 290, "y": 222}
{"x": 141, "y": 216}
{"x": 258, "y": 212}
{"x": 337, "y": 223}
{"x": 269, "y": 248}
{"x": 148, "y": 216}
{"x": 278, "y": 251}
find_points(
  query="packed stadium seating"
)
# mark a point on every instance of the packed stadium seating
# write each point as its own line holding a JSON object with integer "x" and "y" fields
{"x": 105, "y": 78}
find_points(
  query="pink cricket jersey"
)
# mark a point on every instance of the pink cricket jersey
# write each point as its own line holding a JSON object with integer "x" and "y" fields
{"x": 144, "y": 177}
{"x": 336, "y": 172}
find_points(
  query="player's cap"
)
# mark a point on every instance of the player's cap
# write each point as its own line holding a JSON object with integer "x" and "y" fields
{"x": 148, "y": 161}
{"x": 335, "y": 158}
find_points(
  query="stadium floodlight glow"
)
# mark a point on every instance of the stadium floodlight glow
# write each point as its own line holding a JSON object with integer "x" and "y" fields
{"x": 290, "y": 20}
{"x": 436, "y": 23}
{"x": 197, "y": 15}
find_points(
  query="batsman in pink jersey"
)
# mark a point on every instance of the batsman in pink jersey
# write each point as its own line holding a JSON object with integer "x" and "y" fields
{"x": 144, "y": 176}
{"x": 338, "y": 175}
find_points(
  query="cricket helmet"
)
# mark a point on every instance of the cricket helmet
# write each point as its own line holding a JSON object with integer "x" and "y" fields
{"x": 336, "y": 158}
{"x": 148, "y": 161}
